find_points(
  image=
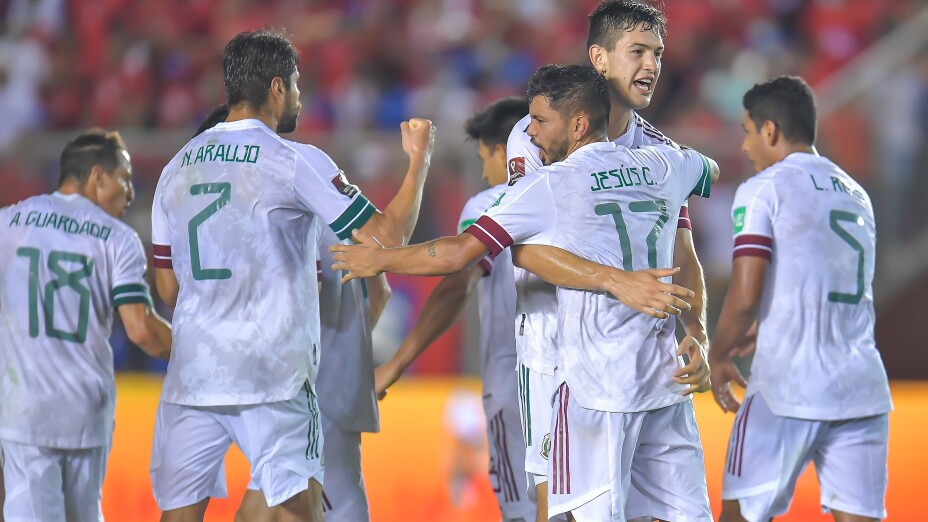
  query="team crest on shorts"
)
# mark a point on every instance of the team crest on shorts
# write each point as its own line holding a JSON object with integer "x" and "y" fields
{"x": 342, "y": 185}
{"x": 546, "y": 446}
{"x": 516, "y": 170}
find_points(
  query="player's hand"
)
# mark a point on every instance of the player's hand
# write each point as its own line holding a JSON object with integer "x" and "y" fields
{"x": 384, "y": 376}
{"x": 643, "y": 291}
{"x": 745, "y": 346}
{"x": 358, "y": 260}
{"x": 418, "y": 138}
{"x": 696, "y": 373}
{"x": 723, "y": 373}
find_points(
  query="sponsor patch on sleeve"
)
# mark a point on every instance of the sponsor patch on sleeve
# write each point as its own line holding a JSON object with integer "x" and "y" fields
{"x": 516, "y": 169}
{"x": 342, "y": 185}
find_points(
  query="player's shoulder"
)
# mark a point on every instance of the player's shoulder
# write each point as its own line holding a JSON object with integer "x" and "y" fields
{"x": 648, "y": 134}
{"x": 309, "y": 155}
{"x": 484, "y": 199}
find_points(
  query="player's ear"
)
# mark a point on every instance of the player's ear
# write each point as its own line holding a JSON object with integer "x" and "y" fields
{"x": 770, "y": 133}
{"x": 581, "y": 125}
{"x": 95, "y": 179}
{"x": 278, "y": 88}
{"x": 598, "y": 58}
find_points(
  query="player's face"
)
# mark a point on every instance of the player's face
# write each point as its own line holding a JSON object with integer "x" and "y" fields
{"x": 292, "y": 107}
{"x": 754, "y": 146}
{"x": 548, "y": 131}
{"x": 494, "y": 163}
{"x": 114, "y": 190}
{"x": 633, "y": 67}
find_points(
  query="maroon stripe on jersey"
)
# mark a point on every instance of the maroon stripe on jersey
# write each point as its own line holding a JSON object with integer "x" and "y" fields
{"x": 493, "y": 236}
{"x": 510, "y": 473}
{"x": 163, "y": 263}
{"x": 162, "y": 250}
{"x": 753, "y": 245}
{"x": 487, "y": 265}
{"x": 326, "y": 505}
{"x": 744, "y": 433}
{"x": 684, "y": 220}
{"x": 162, "y": 256}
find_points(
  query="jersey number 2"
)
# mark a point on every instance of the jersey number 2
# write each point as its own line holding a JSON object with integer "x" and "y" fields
{"x": 613, "y": 209}
{"x": 72, "y": 280}
{"x": 225, "y": 195}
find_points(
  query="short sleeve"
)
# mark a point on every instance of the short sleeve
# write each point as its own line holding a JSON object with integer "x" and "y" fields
{"x": 752, "y": 216}
{"x": 129, "y": 269}
{"x": 695, "y": 169}
{"x": 516, "y": 219}
{"x": 160, "y": 232}
{"x": 684, "y": 220}
{"x": 469, "y": 216}
{"x": 521, "y": 156}
{"x": 322, "y": 188}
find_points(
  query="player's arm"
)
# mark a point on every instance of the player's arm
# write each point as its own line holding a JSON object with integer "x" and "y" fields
{"x": 437, "y": 257}
{"x": 146, "y": 329}
{"x": 738, "y": 314}
{"x": 441, "y": 310}
{"x": 642, "y": 290}
{"x": 378, "y": 293}
{"x": 167, "y": 285}
{"x": 696, "y": 372}
{"x": 394, "y": 226}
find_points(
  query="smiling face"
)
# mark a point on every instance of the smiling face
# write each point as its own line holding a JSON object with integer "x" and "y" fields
{"x": 548, "y": 131}
{"x": 632, "y": 67}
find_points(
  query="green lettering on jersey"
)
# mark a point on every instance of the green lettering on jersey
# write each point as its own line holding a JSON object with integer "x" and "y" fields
{"x": 199, "y": 157}
{"x": 52, "y": 220}
{"x": 186, "y": 160}
{"x": 15, "y": 220}
{"x": 208, "y": 153}
{"x": 255, "y": 149}
{"x": 644, "y": 174}
{"x": 737, "y": 218}
{"x": 220, "y": 152}
{"x": 244, "y": 156}
{"x": 230, "y": 153}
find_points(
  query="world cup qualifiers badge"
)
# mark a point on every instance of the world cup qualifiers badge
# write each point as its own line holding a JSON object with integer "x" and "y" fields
{"x": 516, "y": 170}
{"x": 342, "y": 185}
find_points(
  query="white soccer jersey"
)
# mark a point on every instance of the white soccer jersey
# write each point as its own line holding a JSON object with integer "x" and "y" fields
{"x": 536, "y": 301}
{"x": 496, "y": 300}
{"x": 233, "y": 216}
{"x": 816, "y": 355}
{"x": 345, "y": 384}
{"x": 67, "y": 265}
{"x": 609, "y": 204}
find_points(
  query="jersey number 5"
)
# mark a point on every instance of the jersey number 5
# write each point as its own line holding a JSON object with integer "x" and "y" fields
{"x": 225, "y": 195}
{"x": 72, "y": 280}
{"x": 613, "y": 209}
{"x": 835, "y": 218}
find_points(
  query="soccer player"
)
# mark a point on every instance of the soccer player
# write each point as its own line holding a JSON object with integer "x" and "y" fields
{"x": 235, "y": 243}
{"x": 635, "y": 450}
{"x": 345, "y": 384}
{"x": 68, "y": 263}
{"x": 818, "y": 390}
{"x": 625, "y": 45}
{"x": 496, "y": 297}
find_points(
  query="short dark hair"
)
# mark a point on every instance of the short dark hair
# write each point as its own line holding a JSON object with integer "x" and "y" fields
{"x": 788, "y": 102}
{"x": 91, "y": 147}
{"x": 493, "y": 124}
{"x": 570, "y": 89}
{"x": 215, "y": 117}
{"x": 614, "y": 16}
{"x": 251, "y": 60}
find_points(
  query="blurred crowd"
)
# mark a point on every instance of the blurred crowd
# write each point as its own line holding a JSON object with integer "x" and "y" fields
{"x": 369, "y": 64}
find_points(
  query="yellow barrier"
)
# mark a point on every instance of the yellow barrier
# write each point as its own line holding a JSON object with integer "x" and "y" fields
{"x": 429, "y": 464}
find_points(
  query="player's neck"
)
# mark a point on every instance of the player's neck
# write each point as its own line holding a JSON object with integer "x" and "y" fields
{"x": 244, "y": 111}
{"x": 73, "y": 188}
{"x": 592, "y": 138}
{"x": 618, "y": 120}
{"x": 791, "y": 148}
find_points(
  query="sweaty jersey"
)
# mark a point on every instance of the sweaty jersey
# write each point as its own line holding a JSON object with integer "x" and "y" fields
{"x": 233, "y": 217}
{"x": 816, "y": 356}
{"x": 345, "y": 384}
{"x": 609, "y": 204}
{"x": 496, "y": 306}
{"x": 67, "y": 265}
{"x": 536, "y": 300}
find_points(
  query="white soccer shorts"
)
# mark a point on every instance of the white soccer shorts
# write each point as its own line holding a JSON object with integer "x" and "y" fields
{"x": 51, "y": 485}
{"x": 609, "y": 466}
{"x": 767, "y": 453}
{"x": 281, "y": 440}
{"x": 507, "y": 461}
{"x": 536, "y": 396}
